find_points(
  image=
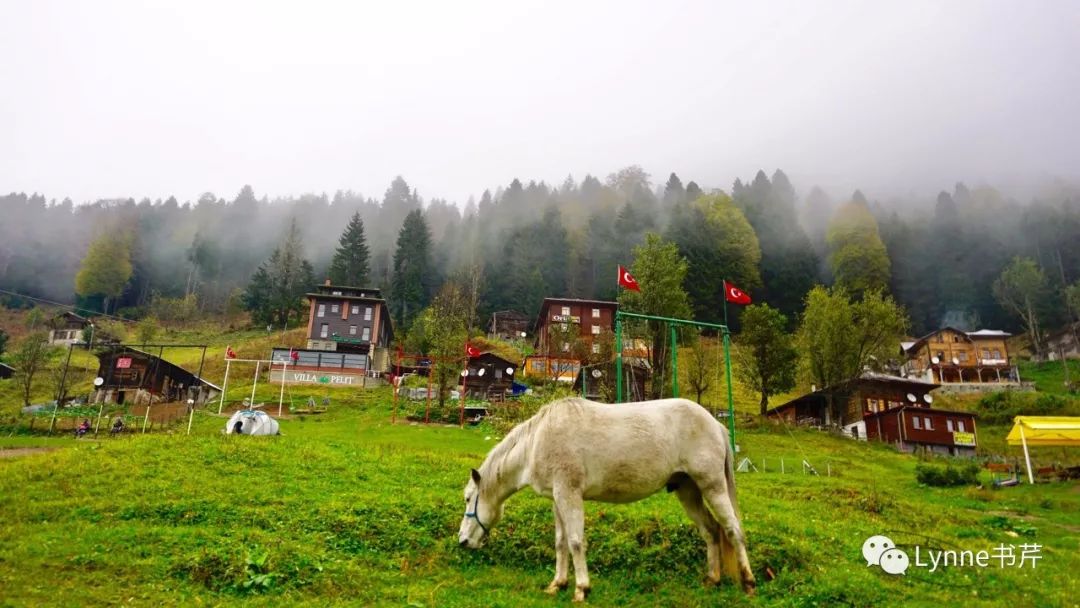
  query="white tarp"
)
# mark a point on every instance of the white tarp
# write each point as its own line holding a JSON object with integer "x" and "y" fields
{"x": 252, "y": 422}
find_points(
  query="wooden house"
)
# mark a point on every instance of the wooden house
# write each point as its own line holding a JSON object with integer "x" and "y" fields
{"x": 6, "y": 371}
{"x": 129, "y": 375}
{"x": 67, "y": 328}
{"x": 490, "y": 376}
{"x": 509, "y": 325}
{"x": 354, "y": 323}
{"x": 885, "y": 408}
{"x": 566, "y": 331}
{"x": 951, "y": 356}
{"x": 912, "y": 428}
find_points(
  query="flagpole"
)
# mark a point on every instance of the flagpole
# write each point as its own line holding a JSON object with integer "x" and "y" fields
{"x": 723, "y": 282}
{"x": 727, "y": 368}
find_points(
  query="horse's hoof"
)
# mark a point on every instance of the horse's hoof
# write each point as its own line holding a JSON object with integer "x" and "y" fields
{"x": 750, "y": 587}
{"x": 580, "y": 593}
{"x": 554, "y": 588}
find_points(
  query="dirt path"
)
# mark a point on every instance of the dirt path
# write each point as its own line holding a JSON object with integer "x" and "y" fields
{"x": 15, "y": 452}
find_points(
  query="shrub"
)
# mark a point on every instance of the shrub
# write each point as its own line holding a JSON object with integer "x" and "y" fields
{"x": 947, "y": 476}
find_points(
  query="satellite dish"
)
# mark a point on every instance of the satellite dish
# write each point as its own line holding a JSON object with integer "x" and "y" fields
{"x": 509, "y": 371}
{"x": 597, "y": 373}
{"x": 481, "y": 372}
{"x": 911, "y": 397}
{"x": 955, "y": 361}
{"x": 928, "y": 398}
{"x": 935, "y": 360}
{"x": 191, "y": 402}
{"x": 523, "y": 334}
{"x": 99, "y": 381}
{"x": 464, "y": 373}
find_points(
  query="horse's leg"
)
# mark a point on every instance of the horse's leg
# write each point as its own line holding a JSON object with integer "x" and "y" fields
{"x": 717, "y": 497}
{"x": 562, "y": 550}
{"x": 690, "y": 497}
{"x": 571, "y": 509}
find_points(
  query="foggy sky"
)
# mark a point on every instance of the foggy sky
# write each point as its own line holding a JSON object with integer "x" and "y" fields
{"x": 107, "y": 99}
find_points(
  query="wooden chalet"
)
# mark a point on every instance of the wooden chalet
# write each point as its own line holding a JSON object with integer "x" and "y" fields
{"x": 509, "y": 325}
{"x": 348, "y": 338}
{"x": 886, "y": 408}
{"x": 6, "y": 371}
{"x": 951, "y": 356}
{"x": 67, "y": 328}
{"x": 130, "y": 375}
{"x": 490, "y": 376}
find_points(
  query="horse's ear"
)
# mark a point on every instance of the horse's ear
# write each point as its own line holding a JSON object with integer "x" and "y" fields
{"x": 476, "y": 476}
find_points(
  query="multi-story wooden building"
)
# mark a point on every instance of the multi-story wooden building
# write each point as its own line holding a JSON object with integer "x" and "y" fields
{"x": 566, "y": 331}
{"x": 950, "y": 356}
{"x": 348, "y": 338}
{"x": 67, "y": 328}
{"x": 885, "y": 408}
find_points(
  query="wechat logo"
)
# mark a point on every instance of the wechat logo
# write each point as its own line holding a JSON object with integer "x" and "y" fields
{"x": 881, "y": 551}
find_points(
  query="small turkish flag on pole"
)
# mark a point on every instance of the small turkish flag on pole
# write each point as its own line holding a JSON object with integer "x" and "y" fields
{"x": 627, "y": 280}
{"x": 229, "y": 354}
{"x": 735, "y": 295}
{"x": 471, "y": 350}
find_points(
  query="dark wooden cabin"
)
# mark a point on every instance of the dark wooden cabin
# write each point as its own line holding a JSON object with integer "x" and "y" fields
{"x": 910, "y": 428}
{"x": 490, "y": 376}
{"x": 130, "y": 375}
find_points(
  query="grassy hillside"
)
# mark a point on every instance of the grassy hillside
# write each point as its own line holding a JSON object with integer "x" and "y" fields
{"x": 347, "y": 509}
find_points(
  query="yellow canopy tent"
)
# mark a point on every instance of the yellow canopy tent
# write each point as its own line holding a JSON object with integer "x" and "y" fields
{"x": 1043, "y": 430}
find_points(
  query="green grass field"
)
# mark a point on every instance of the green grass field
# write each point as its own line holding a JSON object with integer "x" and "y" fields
{"x": 347, "y": 509}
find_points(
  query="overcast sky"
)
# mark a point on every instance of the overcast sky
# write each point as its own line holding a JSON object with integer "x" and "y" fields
{"x": 107, "y": 99}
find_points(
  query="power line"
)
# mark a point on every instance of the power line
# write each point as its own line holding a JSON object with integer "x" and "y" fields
{"x": 67, "y": 306}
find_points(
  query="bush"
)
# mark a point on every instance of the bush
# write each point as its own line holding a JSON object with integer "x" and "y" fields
{"x": 1001, "y": 408}
{"x": 948, "y": 476}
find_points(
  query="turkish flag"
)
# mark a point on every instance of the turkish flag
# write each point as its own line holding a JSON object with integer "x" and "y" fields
{"x": 627, "y": 280}
{"x": 294, "y": 355}
{"x": 229, "y": 354}
{"x": 735, "y": 295}
{"x": 471, "y": 350}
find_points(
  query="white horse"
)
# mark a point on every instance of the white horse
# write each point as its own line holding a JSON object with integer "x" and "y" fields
{"x": 575, "y": 450}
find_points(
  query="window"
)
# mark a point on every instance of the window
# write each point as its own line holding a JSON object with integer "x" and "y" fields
{"x": 956, "y": 338}
{"x": 873, "y": 405}
{"x": 355, "y": 309}
{"x": 335, "y": 293}
{"x": 333, "y": 308}
{"x": 963, "y": 355}
{"x": 498, "y": 373}
{"x": 566, "y": 311}
{"x": 596, "y": 313}
{"x": 997, "y": 354}
{"x": 917, "y": 422}
{"x": 596, "y": 330}
{"x": 928, "y": 424}
{"x": 352, "y": 330}
{"x": 948, "y": 424}
{"x": 538, "y": 365}
{"x": 324, "y": 330}
{"x": 322, "y": 310}
{"x": 939, "y": 338}
{"x": 960, "y": 426}
{"x": 366, "y": 335}
{"x": 367, "y": 313}
{"x": 596, "y": 349}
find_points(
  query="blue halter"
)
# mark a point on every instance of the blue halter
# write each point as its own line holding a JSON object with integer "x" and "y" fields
{"x": 473, "y": 514}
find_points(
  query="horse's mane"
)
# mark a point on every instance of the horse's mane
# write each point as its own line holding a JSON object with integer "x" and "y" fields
{"x": 522, "y": 432}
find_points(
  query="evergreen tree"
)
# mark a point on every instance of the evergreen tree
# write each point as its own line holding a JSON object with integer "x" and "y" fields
{"x": 276, "y": 290}
{"x": 674, "y": 193}
{"x": 693, "y": 191}
{"x": 718, "y": 243}
{"x": 413, "y": 276}
{"x": 857, "y": 256}
{"x": 106, "y": 269}
{"x": 350, "y": 263}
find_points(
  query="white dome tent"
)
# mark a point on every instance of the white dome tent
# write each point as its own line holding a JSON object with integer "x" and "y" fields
{"x": 252, "y": 422}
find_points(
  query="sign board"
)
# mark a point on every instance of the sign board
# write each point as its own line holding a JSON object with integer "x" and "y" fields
{"x": 302, "y": 377}
{"x": 960, "y": 438}
{"x": 123, "y": 363}
{"x": 566, "y": 319}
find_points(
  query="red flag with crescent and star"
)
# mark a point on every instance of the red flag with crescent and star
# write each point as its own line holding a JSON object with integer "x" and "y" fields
{"x": 472, "y": 351}
{"x": 735, "y": 295}
{"x": 229, "y": 354}
{"x": 627, "y": 280}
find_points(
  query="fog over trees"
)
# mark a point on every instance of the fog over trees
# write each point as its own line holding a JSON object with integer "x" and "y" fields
{"x": 938, "y": 256}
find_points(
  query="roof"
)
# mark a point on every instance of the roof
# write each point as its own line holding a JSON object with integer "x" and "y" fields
{"x": 314, "y": 295}
{"x": 492, "y": 355}
{"x": 6, "y": 371}
{"x": 982, "y": 333}
{"x": 989, "y": 333}
{"x": 864, "y": 377}
{"x": 1045, "y": 430}
{"x": 579, "y": 301}
{"x": 122, "y": 349}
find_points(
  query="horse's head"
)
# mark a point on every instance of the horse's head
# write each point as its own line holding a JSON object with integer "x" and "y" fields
{"x": 481, "y": 514}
